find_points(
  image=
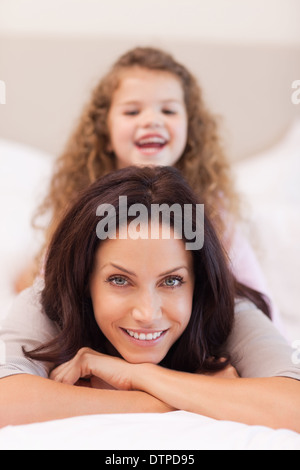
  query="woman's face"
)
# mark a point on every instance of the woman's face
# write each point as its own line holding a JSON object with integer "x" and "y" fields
{"x": 142, "y": 292}
{"x": 147, "y": 119}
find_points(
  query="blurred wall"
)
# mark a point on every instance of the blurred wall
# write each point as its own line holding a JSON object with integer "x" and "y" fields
{"x": 242, "y": 21}
{"x": 246, "y": 55}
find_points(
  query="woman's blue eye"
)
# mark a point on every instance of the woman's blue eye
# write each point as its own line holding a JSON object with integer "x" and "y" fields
{"x": 173, "y": 281}
{"x": 118, "y": 281}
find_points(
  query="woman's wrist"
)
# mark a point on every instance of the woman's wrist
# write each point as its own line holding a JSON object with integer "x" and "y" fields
{"x": 141, "y": 376}
{"x": 148, "y": 377}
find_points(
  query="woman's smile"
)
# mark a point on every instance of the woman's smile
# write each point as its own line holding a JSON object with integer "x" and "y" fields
{"x": 144, "y": 338}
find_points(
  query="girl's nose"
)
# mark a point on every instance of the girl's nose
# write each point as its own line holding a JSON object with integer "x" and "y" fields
{"x": 152, "y": 119}
{"x": 147, "y": 309}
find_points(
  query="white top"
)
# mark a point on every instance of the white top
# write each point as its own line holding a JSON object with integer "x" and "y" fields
{"x": 256, "y": 347}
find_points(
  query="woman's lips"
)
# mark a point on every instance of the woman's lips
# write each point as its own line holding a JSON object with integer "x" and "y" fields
{"x": 144, "y": 337}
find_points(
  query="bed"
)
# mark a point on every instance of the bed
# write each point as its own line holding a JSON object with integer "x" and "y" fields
{"x": 174, "y": 431}
{"x": 267, "y": 168}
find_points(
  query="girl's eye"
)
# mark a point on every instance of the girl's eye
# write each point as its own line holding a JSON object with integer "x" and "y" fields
{"x": 174, "y": 281}
{"x": 168, "y": 111}
{"x": 131, "y": 113}
{"x": 118, "y": 281}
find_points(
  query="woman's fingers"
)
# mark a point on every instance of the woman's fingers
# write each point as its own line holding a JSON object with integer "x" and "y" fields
{"x": 80, "y": 366}
{"x": 66, "y": 373}
{"x": 115, "y": 372}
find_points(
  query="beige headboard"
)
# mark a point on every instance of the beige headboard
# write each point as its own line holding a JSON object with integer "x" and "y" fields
{"x": 49, "y": 79}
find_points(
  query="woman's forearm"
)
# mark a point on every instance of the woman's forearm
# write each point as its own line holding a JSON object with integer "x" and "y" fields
{"x": 27, "y": 399}
{"x": 272, "y": 402}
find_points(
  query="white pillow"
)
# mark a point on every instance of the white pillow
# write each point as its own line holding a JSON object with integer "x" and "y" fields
{"x": 270, "y": 185}
{"x": 24, "y": 177}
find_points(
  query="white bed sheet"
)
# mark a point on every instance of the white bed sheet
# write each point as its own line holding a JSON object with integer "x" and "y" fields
{"x": 171, "y": 431}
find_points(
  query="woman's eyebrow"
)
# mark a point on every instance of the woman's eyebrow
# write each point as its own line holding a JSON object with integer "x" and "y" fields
{"x": 173, "y": 270}
{"x": 118, "y": 267}
{"x": 170, "y": 271}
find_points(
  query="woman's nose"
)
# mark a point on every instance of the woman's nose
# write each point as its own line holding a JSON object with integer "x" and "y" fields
{"x": 147, "y": 308}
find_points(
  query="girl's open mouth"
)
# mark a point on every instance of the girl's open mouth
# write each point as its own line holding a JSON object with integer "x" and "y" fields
{"x": 151, "y": 144}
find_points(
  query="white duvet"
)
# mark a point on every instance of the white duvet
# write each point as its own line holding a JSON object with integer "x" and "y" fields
{"x": 171, "y": 431}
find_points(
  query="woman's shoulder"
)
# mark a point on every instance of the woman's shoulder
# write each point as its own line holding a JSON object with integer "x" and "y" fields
{"x": 26, "y": 326}
{"x": 256, "y": 346}
{"x": 28, "y": 300}
{"x": 249, "y": 319}
{"x": 243, "y": 305}
{"x": 27, "y": 312}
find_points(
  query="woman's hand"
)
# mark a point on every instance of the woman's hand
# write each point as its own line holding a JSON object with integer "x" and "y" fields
{"x": 87, "y": 363}
{"x": 229, "y": 372}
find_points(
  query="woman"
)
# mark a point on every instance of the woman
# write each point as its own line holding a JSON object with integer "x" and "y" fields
{"x": 142, "y": 319}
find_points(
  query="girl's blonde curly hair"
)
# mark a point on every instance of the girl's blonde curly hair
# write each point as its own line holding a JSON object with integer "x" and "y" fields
{"x": 86, "y": 156}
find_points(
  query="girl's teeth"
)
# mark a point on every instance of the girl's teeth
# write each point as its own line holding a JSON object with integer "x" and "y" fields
{"x": 152, "y": 140}
{"x": 143, "y": 336}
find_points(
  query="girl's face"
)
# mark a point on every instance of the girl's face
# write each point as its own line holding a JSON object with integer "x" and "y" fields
{"x": 147, "y": 120}
{"x": 142, "y": 292}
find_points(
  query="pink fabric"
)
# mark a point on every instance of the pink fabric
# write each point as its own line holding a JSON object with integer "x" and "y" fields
{"x": 247, "y": 270}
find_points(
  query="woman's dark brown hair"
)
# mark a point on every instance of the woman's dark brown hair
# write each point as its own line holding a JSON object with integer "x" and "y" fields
{"x": 70, "y": 262}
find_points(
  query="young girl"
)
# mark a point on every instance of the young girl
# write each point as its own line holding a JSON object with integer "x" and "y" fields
{"x": 148, "y": 110}
{"x": 142, "y": 319}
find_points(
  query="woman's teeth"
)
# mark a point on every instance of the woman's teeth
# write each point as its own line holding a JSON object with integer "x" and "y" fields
{"x": 145, "y": 336}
